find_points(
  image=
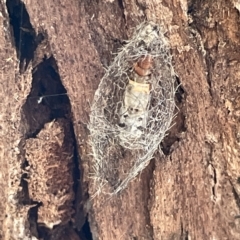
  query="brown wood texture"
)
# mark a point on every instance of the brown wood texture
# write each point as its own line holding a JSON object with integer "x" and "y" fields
{"x": 192, "y": 191}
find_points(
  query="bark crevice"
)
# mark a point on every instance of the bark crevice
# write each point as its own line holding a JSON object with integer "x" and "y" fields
{"x": 23, "y": 33}
{"x": 47, "y": 101}
{"x": 173, "y": 136}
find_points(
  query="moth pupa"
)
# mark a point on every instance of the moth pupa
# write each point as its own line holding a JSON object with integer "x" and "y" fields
{"x": 132, "y": 109}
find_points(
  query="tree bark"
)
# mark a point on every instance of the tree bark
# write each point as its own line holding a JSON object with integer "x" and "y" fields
{"x": 59, "y": 49}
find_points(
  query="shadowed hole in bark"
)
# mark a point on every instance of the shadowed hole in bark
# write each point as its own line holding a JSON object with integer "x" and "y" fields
{"x": 180, "y": 91}
{"x": 80, "y": 196}
{"x": 24, "y": 33}
{"x": 44, "y": 233}
{"x": 190, "y": 9}
{"x": 85, "y": 232}
{"x": 238, "y": 180}
{"x": 46, "y": 101}
{"x": 54, "y": 104}
{"x": 184, "y": 233}
{"x": 23, "y": 196}
{"x": 236, "y": 196}
{"x": 121, "y": 5}
{"x": 173, "y": 135}
{"x": 215, "y": 182}
{"x": 32, "y": 218}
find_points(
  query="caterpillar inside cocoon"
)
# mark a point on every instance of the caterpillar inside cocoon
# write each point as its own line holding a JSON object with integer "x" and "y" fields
{"x": 133, "y": 108}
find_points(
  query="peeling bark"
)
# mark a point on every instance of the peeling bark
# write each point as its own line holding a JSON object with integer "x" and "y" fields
{"x": 59, "y": 49}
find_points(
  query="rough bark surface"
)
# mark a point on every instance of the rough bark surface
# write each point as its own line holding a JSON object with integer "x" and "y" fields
{"x": 59, "y": 49}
